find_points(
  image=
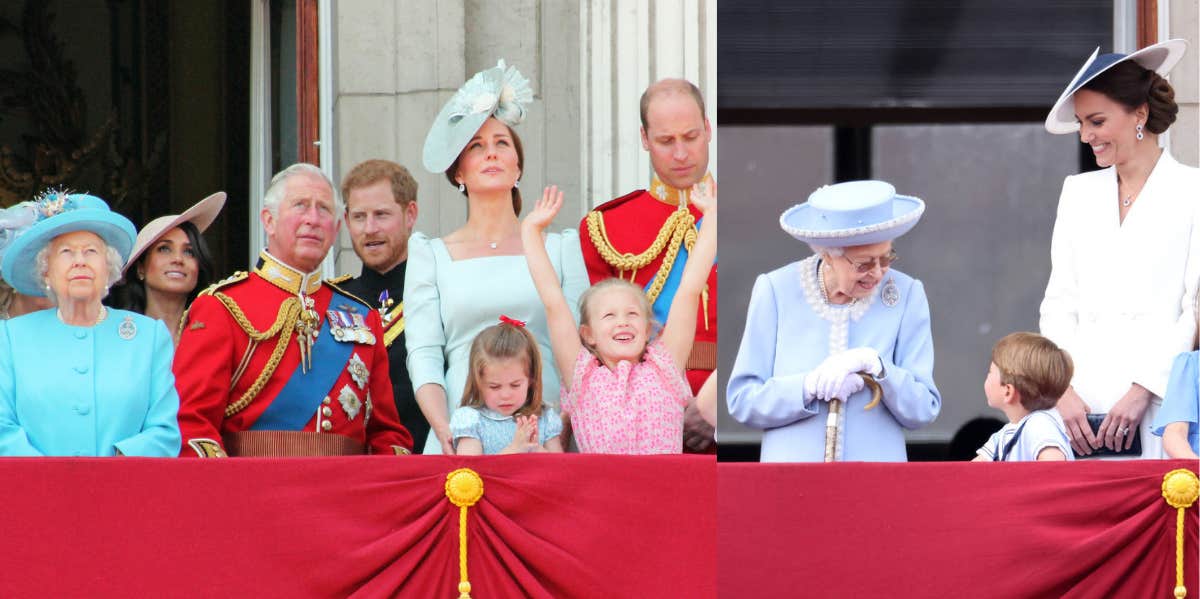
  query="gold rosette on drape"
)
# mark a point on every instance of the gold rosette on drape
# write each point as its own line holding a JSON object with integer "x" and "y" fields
{"x": 464, "y": 488}
{"x": 1180, "y": 489}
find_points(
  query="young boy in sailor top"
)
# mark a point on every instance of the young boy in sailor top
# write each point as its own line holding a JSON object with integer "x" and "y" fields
{"x": 1027, "y": 376}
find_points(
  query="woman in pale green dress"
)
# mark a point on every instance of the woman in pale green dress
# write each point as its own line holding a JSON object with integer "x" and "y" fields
{"x": 459, "y": 284}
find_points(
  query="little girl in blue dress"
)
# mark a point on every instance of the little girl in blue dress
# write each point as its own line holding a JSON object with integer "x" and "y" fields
{"x": 1178, "y": 422}
{"x": 502, "y": 410}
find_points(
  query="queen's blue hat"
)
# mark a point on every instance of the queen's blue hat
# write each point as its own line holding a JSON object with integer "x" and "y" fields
{"x": 500, "y": 91}
{"x": 1160, "y": 58}
{"x": 51, "y": 215}
{"x": 852, "y": 213}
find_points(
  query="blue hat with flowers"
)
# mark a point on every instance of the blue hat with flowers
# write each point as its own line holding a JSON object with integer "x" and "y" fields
{"x": 852, "y": 213}
{"x": 27, "y": 227}
{"x": 1160, "y": 58}
{"x": 500, "y": 91}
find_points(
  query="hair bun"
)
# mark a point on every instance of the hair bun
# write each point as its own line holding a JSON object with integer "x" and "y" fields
{"x": 1160, "y": 99}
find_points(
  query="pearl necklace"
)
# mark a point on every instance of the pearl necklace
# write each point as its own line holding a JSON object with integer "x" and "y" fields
{"x": 839, "y": 316}
{"x": 99, "y": 319}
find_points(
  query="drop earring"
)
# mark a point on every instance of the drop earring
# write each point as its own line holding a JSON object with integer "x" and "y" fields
{"x": 1139, "y": 132}
{"x": 517, "y": 184}
{"x": 462, "y": 187}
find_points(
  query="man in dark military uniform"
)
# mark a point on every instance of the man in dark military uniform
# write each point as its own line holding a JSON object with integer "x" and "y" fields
{"x": 645, "y": 236}
{"x": 381, "y": 209}
{"x": 278, "y": 362}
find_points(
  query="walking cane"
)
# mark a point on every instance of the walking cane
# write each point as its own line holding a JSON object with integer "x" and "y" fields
{"x": 832, "y": 424}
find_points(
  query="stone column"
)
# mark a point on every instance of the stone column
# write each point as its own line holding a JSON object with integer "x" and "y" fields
{"x": 629, "y": 44}
{"x": 1182, "y": 21}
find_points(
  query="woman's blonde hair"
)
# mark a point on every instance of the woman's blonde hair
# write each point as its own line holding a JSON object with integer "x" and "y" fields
{"x": 505, "y": 341}
{"x": 585, "y": 304}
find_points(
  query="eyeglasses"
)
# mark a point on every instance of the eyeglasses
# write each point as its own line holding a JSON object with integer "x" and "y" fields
{"x": 869, "y": 265}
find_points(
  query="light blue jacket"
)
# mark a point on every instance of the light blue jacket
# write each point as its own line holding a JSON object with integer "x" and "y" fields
{"x": 87, "y": 391}
{"x": 785, "y": 339}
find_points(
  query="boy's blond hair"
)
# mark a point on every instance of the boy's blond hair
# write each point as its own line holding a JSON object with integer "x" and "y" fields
{"x": 1037, "y": 368}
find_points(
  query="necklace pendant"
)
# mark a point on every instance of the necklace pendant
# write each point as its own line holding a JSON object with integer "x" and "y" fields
{"x": 1127, "y": 201}
{"x": 492, "y": 245}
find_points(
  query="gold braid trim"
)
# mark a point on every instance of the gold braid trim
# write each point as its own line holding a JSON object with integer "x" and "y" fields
{"x": 627, "y": 261}
{"x": 397, "y": 325}
{"x": 283, "y": 326}
{"x": 678, "y": 229}
{"x": 685, "y": 234}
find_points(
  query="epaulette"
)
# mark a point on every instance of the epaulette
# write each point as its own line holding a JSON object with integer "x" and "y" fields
{"x": 236, "y": 277}
{"x": 617, "y": 202}
{"x": 212, "y": 289}
{"x": 339, "y": 280}
{"x": 333, "y": 283}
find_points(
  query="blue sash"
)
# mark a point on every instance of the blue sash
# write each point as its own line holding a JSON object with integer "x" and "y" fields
{"x": 662, "y": 305}
{"x": 301, "y": 397}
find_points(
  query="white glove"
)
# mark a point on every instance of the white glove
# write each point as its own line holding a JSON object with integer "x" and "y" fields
{"x": 811, "y": 385}
{"x": 833, "y": 375}
{"x": 852, "y": 383}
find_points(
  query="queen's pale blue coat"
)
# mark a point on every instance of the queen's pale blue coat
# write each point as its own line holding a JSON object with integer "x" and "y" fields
{"x": 87, "y": 391}
{"x": 786, "y": 338}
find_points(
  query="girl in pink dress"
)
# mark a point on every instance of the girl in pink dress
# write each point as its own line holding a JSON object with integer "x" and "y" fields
{"x": 627, "y": 391}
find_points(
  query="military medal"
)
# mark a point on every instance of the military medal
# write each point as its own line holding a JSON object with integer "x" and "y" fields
{"x": 127, "y": 330}
{"x": 367, "y": 411}
{"x": 348, "y": 326}
{"x": 385, "y": 304}
{"x": 890, "y": 293}
{"x": 362, "y": 332}
{"x": 350, "y": 401}
{"x": 358, "y": 371}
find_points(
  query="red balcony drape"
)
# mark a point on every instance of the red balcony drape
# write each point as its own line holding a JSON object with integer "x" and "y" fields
{"x": 547, "y": 526}
{"x": 1081, "y": 529}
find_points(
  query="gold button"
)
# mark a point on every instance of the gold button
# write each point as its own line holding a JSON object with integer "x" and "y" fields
{"x": 327, "y": 411}
{"x": 326, "y": 400}
{"x": 326, "y": 425}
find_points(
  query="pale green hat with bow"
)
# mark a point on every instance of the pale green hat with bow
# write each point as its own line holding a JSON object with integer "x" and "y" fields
{"x": 500, "y": 91}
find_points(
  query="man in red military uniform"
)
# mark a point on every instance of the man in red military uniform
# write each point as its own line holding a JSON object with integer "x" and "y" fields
{"x": 279, "y": 362}
{"x": 645, "y": 236}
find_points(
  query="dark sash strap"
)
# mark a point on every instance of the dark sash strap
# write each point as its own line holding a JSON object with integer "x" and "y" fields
{"x": 1008, "y": 447}
{"x": 301, "y": 396}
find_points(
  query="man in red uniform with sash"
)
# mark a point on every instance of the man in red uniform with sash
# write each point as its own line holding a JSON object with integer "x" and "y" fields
{"x": 645, "y": 236}
{"x": 278, "y": 362}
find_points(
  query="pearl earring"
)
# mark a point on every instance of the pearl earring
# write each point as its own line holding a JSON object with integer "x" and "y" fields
{"x": 1139, "y": 132}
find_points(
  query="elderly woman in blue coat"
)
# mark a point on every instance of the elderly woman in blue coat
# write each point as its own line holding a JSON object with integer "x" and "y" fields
{"x": 80, "y": 379}
{"x": 814, "y": 325}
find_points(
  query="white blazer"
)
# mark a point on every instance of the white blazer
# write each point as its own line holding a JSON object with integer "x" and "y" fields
{"x": 1120, "y": 294}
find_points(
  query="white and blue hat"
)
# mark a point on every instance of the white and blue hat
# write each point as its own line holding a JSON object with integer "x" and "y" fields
{"x": 852, "y": 213}
{"x": 500, "y": 91}
{"x": 1160, "y": 58}
{"x": 52, "y": 214}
